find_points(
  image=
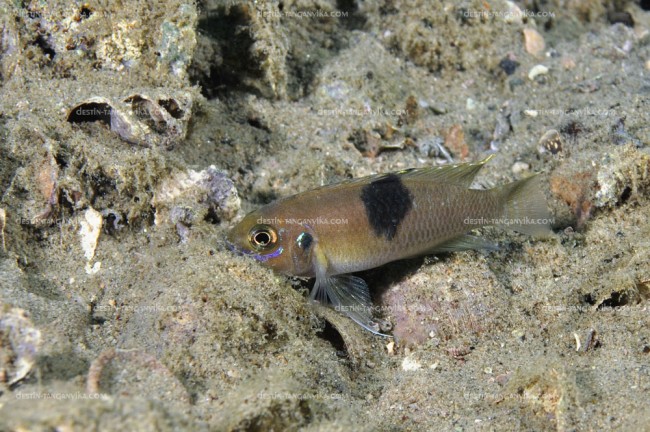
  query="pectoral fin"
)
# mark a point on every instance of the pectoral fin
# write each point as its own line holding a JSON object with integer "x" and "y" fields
{"x": 349, "y": 295}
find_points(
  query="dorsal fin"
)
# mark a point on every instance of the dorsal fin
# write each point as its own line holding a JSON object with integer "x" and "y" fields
{"x": 458, "y": 174}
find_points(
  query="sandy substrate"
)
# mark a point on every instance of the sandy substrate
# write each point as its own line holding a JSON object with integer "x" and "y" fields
{"x": 132, "y": 139}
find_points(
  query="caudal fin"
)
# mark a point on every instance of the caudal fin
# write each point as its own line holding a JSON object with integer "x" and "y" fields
{"x": 525, "y": 208}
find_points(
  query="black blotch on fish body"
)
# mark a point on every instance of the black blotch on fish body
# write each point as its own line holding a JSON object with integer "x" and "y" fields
{"x": 387, "y": 202}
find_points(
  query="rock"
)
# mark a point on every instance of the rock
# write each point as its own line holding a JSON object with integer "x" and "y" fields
{"x": 455, "y": 141}
{"x": 193, "y": 195}
{"x": 120, "y": 372}
{"x": 533, "y": 42}
{"x": 575, "y": 189}
{"x": 623, "y": 174}
{"x": 520, "y": 167}
{"x": 409, "y": 364}
{"x": 508, "y": 65}
{"x": 568, "y": 63}
{"x": 514, "y": 15}
{"x": 20, "y": 342}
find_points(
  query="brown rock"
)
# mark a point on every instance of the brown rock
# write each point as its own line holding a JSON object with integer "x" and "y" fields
{"x": 455, "y": 141}
{"x": 533, "y": 42}
{"x": 575, "y": 188}
{"x": 568, "y": 63}
{"x": 47, "y": 181}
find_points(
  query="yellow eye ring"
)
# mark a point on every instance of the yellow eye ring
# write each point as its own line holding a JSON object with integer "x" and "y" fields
{"x": 262, "y": 237}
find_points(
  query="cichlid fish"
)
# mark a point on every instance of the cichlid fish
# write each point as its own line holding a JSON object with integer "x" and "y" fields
{"x": 335, "y": 230}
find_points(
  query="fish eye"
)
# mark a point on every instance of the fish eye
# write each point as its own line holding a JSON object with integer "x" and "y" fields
{"x": 262, "y": 237}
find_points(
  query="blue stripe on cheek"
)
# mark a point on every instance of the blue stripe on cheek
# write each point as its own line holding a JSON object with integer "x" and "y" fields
{"x": 264, "y": 258}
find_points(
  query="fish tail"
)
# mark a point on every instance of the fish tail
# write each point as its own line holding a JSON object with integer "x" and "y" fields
{"x": 525, "y": 207}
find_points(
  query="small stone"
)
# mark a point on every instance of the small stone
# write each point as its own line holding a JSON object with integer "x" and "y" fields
{"x": 623, "y": 17}
{"x": 455, "y": 141}
{"x": 647, "y": 64}
{"x": 514, "y": 15}
{"x": 536, "y": 71}
{"x": 438, "y": 109}
{"x": 520, "y": 167}
{"x": 515, "y": 82}
{"x": 390, "y": 347}
{"x": 470, "y": 105}
{"x": 508, "y": 65}
{"x": 47, "y": 179}
{"x": 533, "y": 42}
{"x": 531, "y": 113}
{"x": 518, "y": 334}
{"x": 575, "y": 189}
{"x": 409, "y": 364}
{"x": 568, "y": 63}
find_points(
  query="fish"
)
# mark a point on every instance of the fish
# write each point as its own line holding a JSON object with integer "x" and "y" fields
{"x": 333, "y": 231}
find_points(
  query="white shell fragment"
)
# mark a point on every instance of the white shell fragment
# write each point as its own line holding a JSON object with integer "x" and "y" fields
{"x": 520, "y": 167}
{"x": 409, "y": 364}
{"x": 91, "y": 225}
{"x": 536, "y": 71}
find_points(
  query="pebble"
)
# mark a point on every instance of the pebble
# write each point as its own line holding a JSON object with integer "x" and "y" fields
{"x": 455, "y": 141}
{"x": 514, "y": 15}
{"x": 470, "y": 105}
{"x": 647, "y": 64}
{"x": 537, "y": 70}
{"x": 518, "y": 334}
{"x": 531, "y": 113}
{"x": 508, "y": 65}
{"x": 520, "y": 167}
{"x": 533, "y": 42}
{"x": 410, "y": 364}
{"x": 568, "y": 63}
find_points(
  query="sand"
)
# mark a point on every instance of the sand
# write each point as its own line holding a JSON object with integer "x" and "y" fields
{"x": 132, "y": 138}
